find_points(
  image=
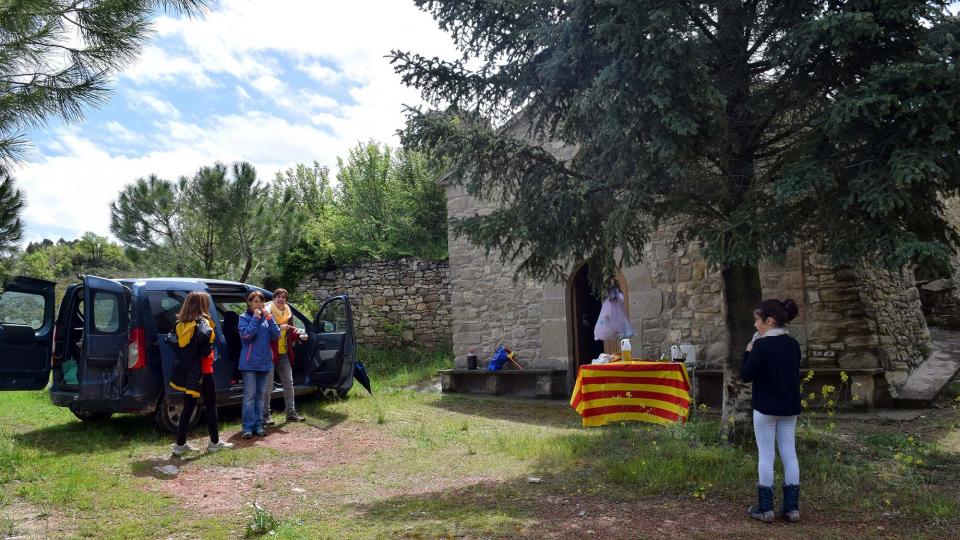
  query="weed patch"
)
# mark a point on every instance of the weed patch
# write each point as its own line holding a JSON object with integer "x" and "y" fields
{"x": 261, "y": 522}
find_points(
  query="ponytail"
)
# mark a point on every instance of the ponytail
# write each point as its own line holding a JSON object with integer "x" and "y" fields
{"x": 781, "y": 312}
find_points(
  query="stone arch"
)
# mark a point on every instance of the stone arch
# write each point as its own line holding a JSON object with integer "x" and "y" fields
{"x": 582, "y": 310}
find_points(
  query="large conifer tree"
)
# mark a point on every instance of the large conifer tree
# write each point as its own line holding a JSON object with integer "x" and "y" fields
{"x": 749, "y": 125}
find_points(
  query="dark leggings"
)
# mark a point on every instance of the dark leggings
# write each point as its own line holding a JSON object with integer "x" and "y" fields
{"x": 209, "y": 394}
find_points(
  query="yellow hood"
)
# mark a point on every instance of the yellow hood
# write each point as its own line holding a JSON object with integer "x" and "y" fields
{"x": 185, "y": 332}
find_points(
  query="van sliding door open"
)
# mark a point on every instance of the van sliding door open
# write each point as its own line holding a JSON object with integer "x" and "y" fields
{"x": 26, "y": 333}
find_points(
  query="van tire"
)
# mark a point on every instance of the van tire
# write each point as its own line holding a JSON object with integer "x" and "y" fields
{"x": 166, "y": 418}
{"x": 333, "y": 394}
{"x": 90, "y": 417}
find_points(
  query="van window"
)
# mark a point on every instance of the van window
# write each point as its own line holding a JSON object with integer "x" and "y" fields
{"x": 21, "y": 308}
{"x": 298, "y": 323}
{"x": 106, "y": 313}
{"x": 336, "y": 313}
{"x": 164, "y": 306}
{"x": 236, "y": 306}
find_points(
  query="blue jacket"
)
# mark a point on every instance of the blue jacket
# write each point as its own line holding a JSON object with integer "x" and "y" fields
{"x": 255, "y": 336}
{"x": 773, "y": 366}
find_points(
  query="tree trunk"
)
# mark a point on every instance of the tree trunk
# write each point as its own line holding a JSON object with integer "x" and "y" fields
{"x": 742, "y": 293}
{"x": 247, "y": 267}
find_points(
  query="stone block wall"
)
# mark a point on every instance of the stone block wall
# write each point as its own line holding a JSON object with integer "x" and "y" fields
{"x": 489, "y": 307}
{"x": 892, "y": 304}
{"x": 848, "y": 318}
{"x": 840, "y": 333}
{"x": 941, "y": 304}
{"x": 681, "y": 302}
{"x": 396, "y": 303}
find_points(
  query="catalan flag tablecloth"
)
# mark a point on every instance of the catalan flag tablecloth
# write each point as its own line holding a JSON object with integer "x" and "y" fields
{"x": 657, "y": 392}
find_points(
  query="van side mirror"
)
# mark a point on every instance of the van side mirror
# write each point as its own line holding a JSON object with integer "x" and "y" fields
{"x": 329, "y": 327}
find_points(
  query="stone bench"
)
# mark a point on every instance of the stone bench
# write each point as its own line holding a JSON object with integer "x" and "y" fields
{"x": 868, "y": 385}
{"x": 534, "y": 383}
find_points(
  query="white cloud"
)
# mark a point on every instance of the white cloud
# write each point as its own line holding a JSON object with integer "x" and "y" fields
{"x": 247, "y": 44}
{"x": 320, "y": 72}
{"x": 158, "y": 65}
{"x": 243, "y": 95}
{"x": 121, "y": 133}
{"x": 160, "y": 106}
{"x": 93, "y": 176}
{"x": 268, "y": 84}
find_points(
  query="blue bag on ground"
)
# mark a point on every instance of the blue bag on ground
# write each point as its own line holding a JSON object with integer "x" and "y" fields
{"x": 498, "y": 360}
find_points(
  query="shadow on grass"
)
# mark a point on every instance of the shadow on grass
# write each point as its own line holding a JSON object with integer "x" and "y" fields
{"x": 87, "y": 438}
{"x": 122, "y": 430}
{"x": 552, "y": 413}
{"x": 625, "y": 481}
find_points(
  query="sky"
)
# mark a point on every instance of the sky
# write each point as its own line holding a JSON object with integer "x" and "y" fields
{"x": 274, "y": 83}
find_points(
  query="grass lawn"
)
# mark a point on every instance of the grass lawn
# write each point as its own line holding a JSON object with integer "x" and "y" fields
{"x": 424, "y": 465}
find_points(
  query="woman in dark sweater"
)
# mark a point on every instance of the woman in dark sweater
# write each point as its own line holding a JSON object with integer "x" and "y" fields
{"x": 772, "y": 364}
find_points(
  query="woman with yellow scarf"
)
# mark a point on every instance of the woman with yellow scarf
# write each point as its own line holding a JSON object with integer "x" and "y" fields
{"x": 283, "y": 355}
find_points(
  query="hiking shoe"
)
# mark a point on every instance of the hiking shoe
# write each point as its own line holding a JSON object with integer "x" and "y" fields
{"x": 294, "y": 416}
{"x": 247, "y": 435}
{"x": 179, "y": 450}
{"x": 260, "y": 433}
{"x": 268, "y": 421}
{"x": 219, "y": 445}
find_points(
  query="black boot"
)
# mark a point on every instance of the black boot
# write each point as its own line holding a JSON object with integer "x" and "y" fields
{"x": 791, "y": 503}
{"x": 763, "y": 510}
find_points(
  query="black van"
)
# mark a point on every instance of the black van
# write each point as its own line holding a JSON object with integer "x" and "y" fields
{"x": 107, "y": 353}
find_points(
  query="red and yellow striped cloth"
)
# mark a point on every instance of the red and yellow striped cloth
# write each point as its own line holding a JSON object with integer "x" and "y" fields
{"x": 657, "y": 392}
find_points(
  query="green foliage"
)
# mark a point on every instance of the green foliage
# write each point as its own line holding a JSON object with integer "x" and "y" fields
{"x": 390, "y": 368}
{"x": 387, "y": 204}
{"x": 747, "y": 127}
{"x": 89, "y": 254}
{"x": 261, "y": 522}
{"x": 11, "y": 204}
{"x": 222, "y": 222}
{"x": 58, "y": 56}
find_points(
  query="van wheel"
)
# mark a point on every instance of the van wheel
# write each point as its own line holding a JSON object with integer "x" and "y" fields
{"x": 167, "y": 417}
{"x": 333, "y": 394}
{"x": 91, "y": 416}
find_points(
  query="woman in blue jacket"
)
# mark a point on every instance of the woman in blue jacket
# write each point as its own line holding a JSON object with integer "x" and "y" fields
{"x": 257, "y": 330}
{"x": 772, "y": 364}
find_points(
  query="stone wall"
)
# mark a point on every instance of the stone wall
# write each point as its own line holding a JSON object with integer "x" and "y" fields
{"x": 839, "y": 332}
{"x": 691, "y": 311}
{"x": 403, "y": 302}
{"x": 489, "y": 307}
{"x": 941, "y": 304}
{"x": 848, "y": 318}
{"x": 892, "y": 303}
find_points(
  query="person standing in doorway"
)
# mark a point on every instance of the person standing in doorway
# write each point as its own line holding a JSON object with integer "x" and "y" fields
{"x": 193, "y": 373}
{"x": 257, "y": 330}
{"x": 772, "y": 364}
{"x": 283, "y": 357}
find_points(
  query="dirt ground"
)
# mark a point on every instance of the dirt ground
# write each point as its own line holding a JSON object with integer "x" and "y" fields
{"x": 305, "y": 452}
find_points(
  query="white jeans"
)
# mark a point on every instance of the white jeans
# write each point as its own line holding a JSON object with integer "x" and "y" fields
{"x": 782, "y": 431}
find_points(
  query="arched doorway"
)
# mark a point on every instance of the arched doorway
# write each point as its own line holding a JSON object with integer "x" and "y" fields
{"x": 583, "y": 310}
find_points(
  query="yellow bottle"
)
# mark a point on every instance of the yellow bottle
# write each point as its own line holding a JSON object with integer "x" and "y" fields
{"x": 625, "y": 354}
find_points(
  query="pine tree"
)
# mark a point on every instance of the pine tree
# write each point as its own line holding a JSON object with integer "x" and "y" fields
{"x": 11, "y": 204}
{"x": 747, "y": 126}
{"x": 58, "y": 56}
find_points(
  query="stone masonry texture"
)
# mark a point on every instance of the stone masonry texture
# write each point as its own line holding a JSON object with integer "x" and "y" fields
{"x": 849, "y": 318}
{"x": 395, "y": 303}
